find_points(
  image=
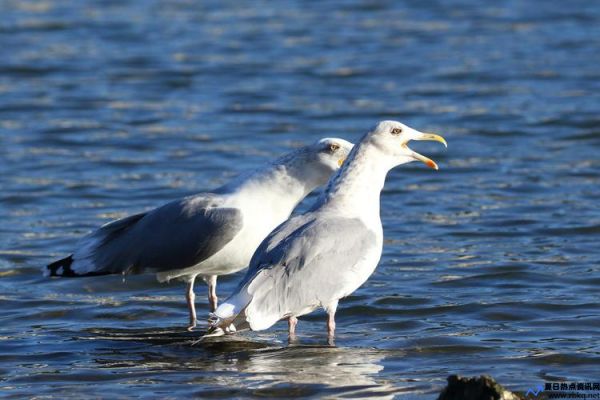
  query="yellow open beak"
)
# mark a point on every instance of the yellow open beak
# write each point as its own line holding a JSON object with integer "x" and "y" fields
{"x": 427, "y": 161}
{"x": 432, "y": 136}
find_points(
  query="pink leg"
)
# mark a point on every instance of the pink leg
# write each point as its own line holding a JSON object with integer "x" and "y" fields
{"x": 292, "y": 322}
{"x": 212, "y": 292}
{"x": 330, "y": 309}
{"x": 331, "y": 325}
{"x": 191, "y": 297}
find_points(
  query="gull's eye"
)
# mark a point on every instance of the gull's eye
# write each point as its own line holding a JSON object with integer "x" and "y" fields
{"x": 333, "y": 147}
{"x": 396, "y": 131}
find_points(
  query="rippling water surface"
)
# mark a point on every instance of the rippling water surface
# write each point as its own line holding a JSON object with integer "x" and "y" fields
{"x": 491, "y": 265}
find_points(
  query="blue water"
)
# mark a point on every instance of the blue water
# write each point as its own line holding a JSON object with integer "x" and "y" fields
{"x": 491, "y": 265}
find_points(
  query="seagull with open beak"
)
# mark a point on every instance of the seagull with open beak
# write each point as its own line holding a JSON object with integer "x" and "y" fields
{"x": 314, "y": 259}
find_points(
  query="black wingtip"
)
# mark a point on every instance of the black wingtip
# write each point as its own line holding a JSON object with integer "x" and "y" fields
{"x": 62, "y": 267}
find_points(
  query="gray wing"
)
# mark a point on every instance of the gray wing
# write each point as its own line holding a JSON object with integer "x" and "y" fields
{"x": 303, "y": 264}
{"x": 272, "y": 245}
{"x": 177, "y": 235}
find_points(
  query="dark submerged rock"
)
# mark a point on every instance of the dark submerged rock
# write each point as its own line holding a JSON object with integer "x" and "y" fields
{"x": 477, "y": 388}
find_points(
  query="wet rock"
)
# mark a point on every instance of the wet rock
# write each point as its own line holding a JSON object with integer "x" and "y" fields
{"x": 478, "y": 388}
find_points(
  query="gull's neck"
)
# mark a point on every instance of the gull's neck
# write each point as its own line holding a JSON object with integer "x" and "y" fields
{"x": 276, "y": 188}
{"x": 356, "y": 188}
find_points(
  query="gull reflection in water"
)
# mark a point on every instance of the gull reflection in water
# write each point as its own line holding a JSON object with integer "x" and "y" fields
{"x": 353, "y": 370}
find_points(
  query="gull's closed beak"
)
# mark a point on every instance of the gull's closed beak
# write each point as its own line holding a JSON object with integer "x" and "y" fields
{"x": 341, "y": 161}
{"x": 428, "y": 136}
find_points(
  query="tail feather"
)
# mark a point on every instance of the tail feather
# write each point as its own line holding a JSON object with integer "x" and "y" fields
{"x": 229, "y": 317}
{"x": 218, "y": 327}
{"x": 215, "y": 326}
{"x": 63, "y": 269}
{"x": 215, "y": 331}
{"x": 92, "y": 258}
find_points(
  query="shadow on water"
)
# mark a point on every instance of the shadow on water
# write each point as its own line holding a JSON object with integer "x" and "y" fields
{"x": 246, "y": 365}
{"x": 175, "y": 336}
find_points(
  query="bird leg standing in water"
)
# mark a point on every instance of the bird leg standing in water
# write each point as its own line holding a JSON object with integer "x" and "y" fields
{"x": 212, "y": 292}
{"x": 331, "y": 325}
{"x": 330, "y": 309}
{"x": 292, "y": 322}
{"x": 190, "y": 296}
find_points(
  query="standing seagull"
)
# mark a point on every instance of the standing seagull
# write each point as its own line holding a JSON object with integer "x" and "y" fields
{"x": 316, "y": 258}
{"x": 208, "y": 234}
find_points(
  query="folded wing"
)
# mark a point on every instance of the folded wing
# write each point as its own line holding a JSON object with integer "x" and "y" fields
{"x": 305, "y": 263}
{"x": 177, "y": 235}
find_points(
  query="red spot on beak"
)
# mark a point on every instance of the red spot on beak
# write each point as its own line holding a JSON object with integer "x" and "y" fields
{"x": 431, "y": 164}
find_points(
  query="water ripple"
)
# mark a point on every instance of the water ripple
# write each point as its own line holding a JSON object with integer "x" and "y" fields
{"x": 490, "y": 265}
